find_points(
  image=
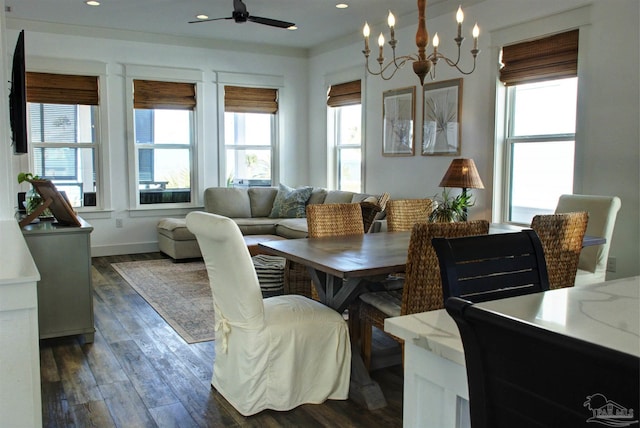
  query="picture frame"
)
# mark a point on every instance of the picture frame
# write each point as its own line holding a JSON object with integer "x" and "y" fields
{"x": 59, "y": 206}
{"x": 441, "y": 125}
{"x": 398, "y": 122}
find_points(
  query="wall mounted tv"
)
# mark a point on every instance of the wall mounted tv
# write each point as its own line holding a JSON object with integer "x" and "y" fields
{"x": 18, "y": 99}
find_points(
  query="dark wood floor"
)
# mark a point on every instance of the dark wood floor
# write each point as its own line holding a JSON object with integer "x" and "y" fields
{"x": 140, "y": 373}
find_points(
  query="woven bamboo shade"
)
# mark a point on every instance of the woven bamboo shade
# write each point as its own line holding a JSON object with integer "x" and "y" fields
{"x": 344, "y": 94}
{"x": 48, "y": 88}
{"x": 462, "y": 173}
{"x": 554, "y": 57}
{"x": 150, "y": 94}
{"x": 250, "y": 100}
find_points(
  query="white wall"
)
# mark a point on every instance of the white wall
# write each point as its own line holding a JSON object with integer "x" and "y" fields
{"x": 607, "y": 158}
{"x": 138, "y": 233}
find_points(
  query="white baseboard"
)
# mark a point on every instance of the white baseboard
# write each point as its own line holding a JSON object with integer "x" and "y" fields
{"x": 134, "y": 248}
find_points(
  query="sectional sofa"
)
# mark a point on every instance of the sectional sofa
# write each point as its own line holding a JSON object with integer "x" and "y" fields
{"x": 273, "y": 211}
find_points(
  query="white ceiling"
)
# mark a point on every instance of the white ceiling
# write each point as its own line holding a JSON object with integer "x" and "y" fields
{"x": 318, "y": 21}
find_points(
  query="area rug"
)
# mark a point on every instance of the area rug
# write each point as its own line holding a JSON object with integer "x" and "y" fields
{"x": 179, "y": 292}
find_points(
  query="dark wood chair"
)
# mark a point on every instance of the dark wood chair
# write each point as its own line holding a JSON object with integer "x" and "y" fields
{"x": 521, "y": 375}
{"x": 490, "y": 267}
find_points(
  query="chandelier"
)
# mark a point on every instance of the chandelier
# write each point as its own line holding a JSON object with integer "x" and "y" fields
{"x": 423, "y": 64}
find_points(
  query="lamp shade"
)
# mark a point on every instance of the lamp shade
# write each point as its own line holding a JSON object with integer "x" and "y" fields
{"x": 462, "y": 173}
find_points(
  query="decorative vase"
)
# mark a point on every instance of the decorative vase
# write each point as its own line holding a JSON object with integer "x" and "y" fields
{"x": 33, "y": 200}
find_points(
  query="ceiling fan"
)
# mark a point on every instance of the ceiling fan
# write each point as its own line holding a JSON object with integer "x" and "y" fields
{"x": 241, "y": 15}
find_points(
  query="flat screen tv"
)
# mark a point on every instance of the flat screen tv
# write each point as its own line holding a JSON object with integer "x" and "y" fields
{"x": 18, "y": 99}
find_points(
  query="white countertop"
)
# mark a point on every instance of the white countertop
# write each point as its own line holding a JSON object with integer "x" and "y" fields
{"x": 16, "y": 265}
{"x": 606, "y": 314}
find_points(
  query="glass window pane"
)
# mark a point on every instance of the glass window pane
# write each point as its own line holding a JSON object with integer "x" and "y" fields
{"x": 247, "y": 129}
{"x": 545, "y": 108}
{"x": 252, "y": 164}
{"x": 163, "y": 126}
{"x": 165, "y": 175}
{"x": 61, "y": 123}
{"x": 348, "y": 122}
{"x": 541, "y": 172}
{"x": 349, "y": 172}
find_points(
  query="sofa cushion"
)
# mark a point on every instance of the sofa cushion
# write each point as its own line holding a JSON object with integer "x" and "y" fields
{"x": 338, "y": 197}
{"x": 261, "y": 200}
{"x": 292, "y": 228}
{"x": 175, "y": 229}
{"x": 290, "y": 203}
{"x": 318, "y": 196}
{"x": 362, "y": 197}
{"x": 256, "y": 226}
{"x": 227, "y": 201}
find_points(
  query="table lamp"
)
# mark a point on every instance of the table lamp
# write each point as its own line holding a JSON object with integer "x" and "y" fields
{"x": 464, "y": 174}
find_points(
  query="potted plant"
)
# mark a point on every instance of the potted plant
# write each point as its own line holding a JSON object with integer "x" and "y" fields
{"x": 450, "y": 209}
{"x": 32, "y": 198}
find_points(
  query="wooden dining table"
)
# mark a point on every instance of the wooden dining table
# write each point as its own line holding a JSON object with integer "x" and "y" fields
{"x": 338, "y": 267}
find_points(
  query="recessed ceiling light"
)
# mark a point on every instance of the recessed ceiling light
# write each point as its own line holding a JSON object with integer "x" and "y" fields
{"x": 342, "y": 5}
{"x": 293, "y": 27}
{"x": 202, "y": 16}
{"x": 92, "y": 2}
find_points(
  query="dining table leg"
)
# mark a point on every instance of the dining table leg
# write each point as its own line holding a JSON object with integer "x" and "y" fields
{"x": 337, "y": 294}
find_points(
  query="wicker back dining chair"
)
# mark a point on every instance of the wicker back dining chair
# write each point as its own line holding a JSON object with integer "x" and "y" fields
{"x": 561, "y": 236}
{"x": 422, "y": 289}
{"x": 334, "y": 220}
{"x": 370, "y": 210}
{"x": 402, "y": 214}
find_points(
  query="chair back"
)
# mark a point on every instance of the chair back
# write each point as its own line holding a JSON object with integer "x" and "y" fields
{"x": 603, "y": 211}
{"x": 334, "y": 220}
{"x": 422, "y": 289}
{"x": 561, "y": 236}
{"x": 490, "y": 267}
{"x": 521, "y": 375}
{"x": 232, "y": 277}
{"x": 402, "y": 214}
{"x": 370, "y": 210}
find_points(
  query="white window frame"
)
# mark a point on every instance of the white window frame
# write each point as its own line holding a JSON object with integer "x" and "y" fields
{"x": 250, "y": 81}
{"x": 579, "y": 18}
{"x": 333, "y": 168}
{"x": 333, "y": 127}
{"x": 100, "y": 146}
{"x": 164, "y": 74}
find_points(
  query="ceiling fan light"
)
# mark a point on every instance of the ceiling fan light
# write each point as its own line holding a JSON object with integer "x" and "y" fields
{"x": 92, "y": 2}
{"x": 342, "y": 5}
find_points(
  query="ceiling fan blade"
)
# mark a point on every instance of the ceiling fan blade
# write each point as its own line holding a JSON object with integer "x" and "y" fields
{"x": 271, "y": 22}
{"x": 207, "y": 20}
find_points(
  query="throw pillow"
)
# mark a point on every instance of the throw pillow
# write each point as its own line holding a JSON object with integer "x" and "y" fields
{"x": 290, "y": 202}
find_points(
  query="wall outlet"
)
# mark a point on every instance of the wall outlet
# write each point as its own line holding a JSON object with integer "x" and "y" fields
{"x": 611, "y": 264}
{"x": 118, "y": 222}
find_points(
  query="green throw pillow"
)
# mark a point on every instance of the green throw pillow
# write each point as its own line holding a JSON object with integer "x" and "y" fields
{"x": 290, "y": 203}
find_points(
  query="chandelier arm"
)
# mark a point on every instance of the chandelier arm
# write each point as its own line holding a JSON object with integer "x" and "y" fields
{"x": 397, "y": 66}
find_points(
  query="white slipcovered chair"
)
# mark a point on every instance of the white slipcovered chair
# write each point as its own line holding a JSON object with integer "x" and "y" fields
{"x": 275, "y": 353}
{"x": 603, "y": 210}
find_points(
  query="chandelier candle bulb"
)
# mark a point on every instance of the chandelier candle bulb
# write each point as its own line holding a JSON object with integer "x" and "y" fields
{"x": 365, "y": 32}
{"x": 475, "y": 33}
{"x": 391, "y": 20}
{"x": 381, "y": 44}
{"x": 459, "y": 19}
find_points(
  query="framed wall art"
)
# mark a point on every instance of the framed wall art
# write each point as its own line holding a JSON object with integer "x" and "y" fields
{"x": 441, "y": 124}
{"x": 398, "y": 114}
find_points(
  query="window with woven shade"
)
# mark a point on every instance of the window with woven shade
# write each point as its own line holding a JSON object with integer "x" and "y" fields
{"x": 63, "y": 126}
{"x": 164, "y": 140}
{"x": 540, "y": 119}
{"x": 249, "y": 135}
{"x": 344, "y": 104}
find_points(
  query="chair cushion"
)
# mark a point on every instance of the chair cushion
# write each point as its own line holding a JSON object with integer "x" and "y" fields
{"x": 290, "y": 203}
{"x": 387, "y": 302}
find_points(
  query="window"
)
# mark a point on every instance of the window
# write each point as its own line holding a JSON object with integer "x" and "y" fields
{"x": 63, "y": 112}
{"x": 249, "y": 128}
{"x": 345, "y": 120}
{"x": 541, "y": 100}
{"x": 163, "y": 127}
